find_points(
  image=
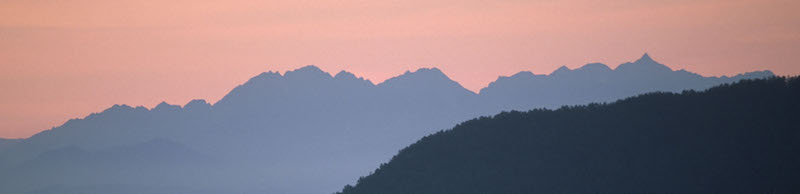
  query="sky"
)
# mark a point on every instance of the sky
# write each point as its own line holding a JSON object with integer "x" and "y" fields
{"x": 63, "y": 59}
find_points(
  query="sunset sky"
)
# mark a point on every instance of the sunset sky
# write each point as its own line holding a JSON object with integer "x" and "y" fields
{"x": 64, "y": 59}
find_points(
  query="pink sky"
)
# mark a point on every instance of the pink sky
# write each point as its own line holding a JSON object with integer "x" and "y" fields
{"x": 67, "y": 59}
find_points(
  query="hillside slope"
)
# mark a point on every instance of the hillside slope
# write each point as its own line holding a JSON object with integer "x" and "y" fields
{"x": 738, "y": 138}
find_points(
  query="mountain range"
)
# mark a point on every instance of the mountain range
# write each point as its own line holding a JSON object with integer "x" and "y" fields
{"x": 305, "y": 131}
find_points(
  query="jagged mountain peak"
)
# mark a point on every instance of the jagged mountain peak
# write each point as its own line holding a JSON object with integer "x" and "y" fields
{"x": 522, "y": 76}
{"x": 424, "y": 72}
{"x": 197, "y": 104}
{"x": 348, "y": 77}
{"x": 424, "y": 79}
{"x": 561, "y": 70}
{"x": 164, "y": 106}
{"x": 429, "y": 75}
{"x": 433, "y": 70}
{"x": 645, "y": 59}
{"x": 645, "y": 64}
{"x": 345, "y": 75}
{"x": 116, "y": 109}
{"x": 763, "y": 73}
{"x": 269, "y": 74}
{"x": 120, "y": 107}
{"x": 123, "y": 108}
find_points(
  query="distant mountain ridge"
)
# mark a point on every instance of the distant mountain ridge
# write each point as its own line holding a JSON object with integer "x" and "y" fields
{"x": 596, "y": 82}
{"x": 278, "y": 130}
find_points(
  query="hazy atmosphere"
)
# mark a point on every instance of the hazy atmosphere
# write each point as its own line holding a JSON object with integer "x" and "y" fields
{"x": 399, "y": 97}
{"x": 66, "y": 59}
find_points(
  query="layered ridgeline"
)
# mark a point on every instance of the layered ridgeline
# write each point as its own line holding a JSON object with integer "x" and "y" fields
{"x": 305, "y": 131}
{"x": 596, "y": 82}
{"x": 739, "y": 138}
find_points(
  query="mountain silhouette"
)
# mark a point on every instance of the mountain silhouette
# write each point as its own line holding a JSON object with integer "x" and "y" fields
{"x": 306, "y": 131}
{"x": 596, "y": 82}
{"x": 74, "y": 168}
{"x": 738, "y": 138}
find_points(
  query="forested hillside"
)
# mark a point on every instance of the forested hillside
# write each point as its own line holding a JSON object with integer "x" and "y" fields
{"x": 733, "y": 138}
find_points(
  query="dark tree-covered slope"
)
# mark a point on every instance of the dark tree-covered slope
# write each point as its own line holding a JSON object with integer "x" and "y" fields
{"x": 738, "y": 138}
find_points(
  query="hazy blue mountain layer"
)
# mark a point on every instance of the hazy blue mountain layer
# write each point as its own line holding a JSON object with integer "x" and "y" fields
{"x": 7, "y": 142}
{"x": 305, "y": 131}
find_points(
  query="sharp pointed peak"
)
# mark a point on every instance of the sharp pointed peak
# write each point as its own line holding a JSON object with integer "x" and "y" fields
{"x": 645, "y": 63}
{"x": 165, "y": 106}
{"x": 562, "y": 69}
{"x": 345, "y": 75}
{"x": 645, "y": 58}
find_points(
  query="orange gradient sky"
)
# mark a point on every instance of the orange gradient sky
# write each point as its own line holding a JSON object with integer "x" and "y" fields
{"x": 66, "y": 59}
